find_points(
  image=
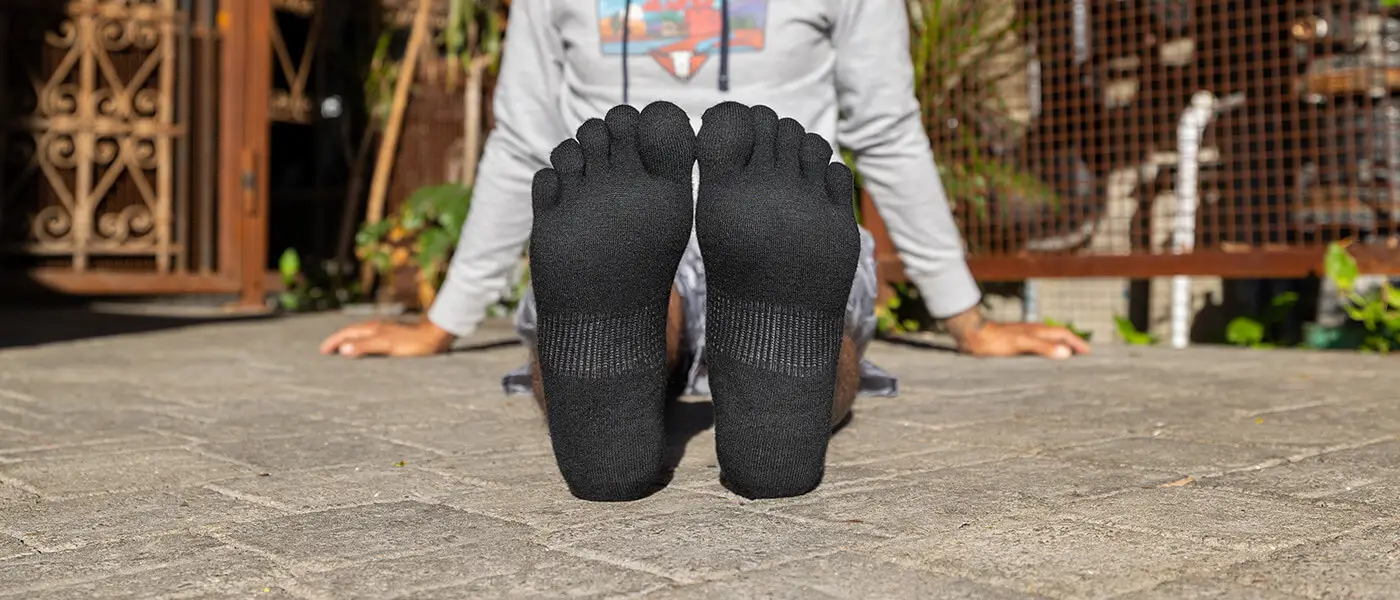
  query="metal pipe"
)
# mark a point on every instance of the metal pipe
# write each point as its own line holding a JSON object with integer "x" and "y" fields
{"x": 1030, "y": 301}
{"x": 1188, "y": 146}
{"x": 1192, "y": 127}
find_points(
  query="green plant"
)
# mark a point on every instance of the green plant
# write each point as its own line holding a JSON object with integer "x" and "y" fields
{"x": 1084, "y": 335}
{"x": 424, "y": 232}
{"x": 1130, "y": 333}
{"x": 964, "y": 58}
{"x": 305, "y": 290}
{"x": 1250, "y": 332}
{"x": 1377, "y": 310}
{"x": 900, "y": 314}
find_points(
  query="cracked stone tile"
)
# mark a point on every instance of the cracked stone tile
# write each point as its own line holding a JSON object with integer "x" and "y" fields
{"x": 938, "y": 501}
{"x": 72, "y": 523}
{"x": 842, "y": 575}
{"x": 167, "y": 468}
{"x": 33, "y": 447}
{"x": 873, "y": 441}
{"x": 1032, "y": 434}
{"x": 34, "y": 572}
{"x": 1219, "y": 516}
{"x": 1311, "y": 427}
{"x": 12, "y": 548}
{"x": 501, "y": 569}
{"x": 1370, "y": 474}
{"x": 224, "y": 573}
{"x": 1060, "y": 559}
{"x": 503, "y": 468}
{"x": 343, "y": 486}
{"x": 316, "y": 450}
{"x": 244, "y": 427}
{"x": 1207, "y": 589}
{"x": 705, "y": 543}
{"x": 1356, "y": 565}
{"x": 325, "y": 540}
{"x": 1177, "y": 456}
{"x": 486, "y": 432}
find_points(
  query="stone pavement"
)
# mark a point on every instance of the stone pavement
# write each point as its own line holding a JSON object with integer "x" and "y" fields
{"x": 230, "y": 460}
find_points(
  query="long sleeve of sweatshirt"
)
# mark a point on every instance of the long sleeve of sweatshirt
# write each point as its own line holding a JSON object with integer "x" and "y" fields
{"x": 528, "y": 127}
{"x": 881, "y": 123}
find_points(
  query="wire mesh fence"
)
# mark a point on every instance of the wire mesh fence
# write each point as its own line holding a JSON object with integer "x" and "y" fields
{"x": 1141, "y": 138}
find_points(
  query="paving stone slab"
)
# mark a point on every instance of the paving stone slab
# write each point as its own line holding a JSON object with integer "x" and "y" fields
{"x": 1196, "y": 459}
{"x": 223, "y": 573}
{"x": 707, "y": 543}
{"x": 325, "y": 540}
{"x": 1370, "y": 474}
{"x": 1219, "y": 516}
{"x": 842, "y": 575}
{"x": 315, "y": 450}
{"x": 502, "y": 568}
{"x": 52, "y": 526}
{"x": 340, "y": 487}
{"x": 555, "y": 576}
{"x": 1061, "y": 559}
{"x": 944, "y": 500}
{"x": 1357, "y": 565}
{"x": 11, "y": 547}
{"x": 24, "y": 576}
{"x": 165, "y": 468}
{"x": 1208, "y": 589}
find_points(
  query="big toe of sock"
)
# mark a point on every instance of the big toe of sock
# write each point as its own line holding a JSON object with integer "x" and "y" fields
{"x": 666, "y": 141}
{"x": 726, "y": 139}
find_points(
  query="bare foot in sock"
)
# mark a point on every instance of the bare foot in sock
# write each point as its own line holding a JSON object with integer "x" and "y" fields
{"x": 612, "y": 219}
{"x": 778, "y": 233}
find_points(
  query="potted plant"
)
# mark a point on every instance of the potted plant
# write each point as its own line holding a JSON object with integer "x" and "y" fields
{"x": 411, "y": 249}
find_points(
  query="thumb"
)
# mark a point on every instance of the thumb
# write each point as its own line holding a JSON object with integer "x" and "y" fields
{"x": 1045, "y": 348}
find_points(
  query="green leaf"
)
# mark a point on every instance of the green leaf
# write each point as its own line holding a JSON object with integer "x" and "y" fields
{"x": 1084, "y": 335}
{"x": 289, "y": 265}
{"x": 434, "y": 245}
{"x": 1130, "y": 333}
{"x": 1244, "y": 331}
{"x": 379, "y": 259}
{"x": 1279, "y": 307}
{"x": 1340, "y": 267}
{"x": 289, "y": 301}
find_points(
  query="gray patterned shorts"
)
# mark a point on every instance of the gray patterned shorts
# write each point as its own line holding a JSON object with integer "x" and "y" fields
{"x": 690, "y": 283}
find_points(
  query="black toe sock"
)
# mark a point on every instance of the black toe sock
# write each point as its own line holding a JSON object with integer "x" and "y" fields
{"x": 612, "y": 219}
{"x": 778, "y": 233}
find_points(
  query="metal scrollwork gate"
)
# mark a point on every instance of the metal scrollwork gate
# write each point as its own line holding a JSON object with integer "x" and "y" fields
{"x": 125, "y": 136}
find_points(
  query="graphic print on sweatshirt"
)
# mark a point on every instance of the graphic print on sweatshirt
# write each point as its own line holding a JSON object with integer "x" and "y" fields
{"x": 682, "y": 35}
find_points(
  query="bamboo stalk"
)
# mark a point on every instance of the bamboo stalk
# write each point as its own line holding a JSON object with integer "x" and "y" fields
{"x": 471, "y": 142}
{"x": 388, "y": 149}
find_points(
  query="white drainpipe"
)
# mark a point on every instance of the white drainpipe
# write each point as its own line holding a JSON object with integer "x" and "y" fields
{"x": 1189, "y": 132}
{"x": 1188, "y": 147}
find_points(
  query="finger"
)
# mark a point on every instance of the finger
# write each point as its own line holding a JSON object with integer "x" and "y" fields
{"x": 1045, "y": 348}
{"x": 351, "y": 332}
{"x": 1061, "y": 335}
{"x": 374, "y": 345}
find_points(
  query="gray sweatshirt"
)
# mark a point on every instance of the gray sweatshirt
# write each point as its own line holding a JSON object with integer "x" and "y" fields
{"x": 840, "y": 67}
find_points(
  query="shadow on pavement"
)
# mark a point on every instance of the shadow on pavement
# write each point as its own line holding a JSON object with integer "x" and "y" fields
{"x": 21, "y": 327}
